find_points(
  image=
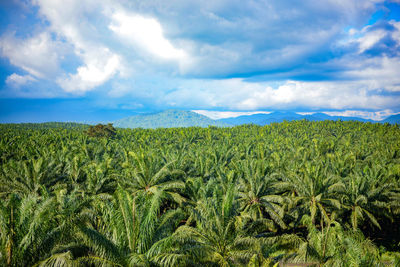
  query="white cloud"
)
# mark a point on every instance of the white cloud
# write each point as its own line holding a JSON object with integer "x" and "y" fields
{"x": 145, "y": 32}
{"x": 95, "y": 72}
{"x": 228, "y": 38}
{"x": 17, "y": 80}
{"x": 373, "y": 115}
{"x": 293, "y": 94}
{"x": 396, "y": 34}
{"x": 237, "y": 94}
{"x": 370, "y": 39}
{"x": 377, "y": 73}
{"x": 38, "y": 55}
{"x": 70, "y": 20}
{"x": 227, "y": 114}
{"x": 142, "y": 42}
{"x": 317, "y": 95}
{"x": 371, "y": 35}
{"x": 217, "y": 39}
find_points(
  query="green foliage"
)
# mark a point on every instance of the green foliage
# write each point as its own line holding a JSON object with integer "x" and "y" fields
{"x": 47, "y": 125}
{"x": 101, "y": 130}
{"x": 323, "y": 192}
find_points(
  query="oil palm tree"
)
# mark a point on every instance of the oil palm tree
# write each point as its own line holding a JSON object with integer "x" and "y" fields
{"x": 129, "y": 233}
{"x": 150, "y": 176}
{"x": 26, "y": 224}
{"x": 366, "y": 194}
{"x": 220, "y": 235}
{"x": 334, "y": 246}
{"x": 311, "y": 189}
{"x": 257, "y": 194}
{"x": 30, "y": 176}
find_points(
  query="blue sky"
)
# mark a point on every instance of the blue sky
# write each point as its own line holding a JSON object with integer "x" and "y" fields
{"x": 101, "y": 60}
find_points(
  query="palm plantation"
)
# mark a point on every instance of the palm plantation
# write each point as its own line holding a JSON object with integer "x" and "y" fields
{"x": 319, "y": 192}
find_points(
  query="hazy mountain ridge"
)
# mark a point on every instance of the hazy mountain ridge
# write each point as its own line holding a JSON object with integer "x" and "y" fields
{"x": 392, "y": 119}
{"x": 168, "y": 119}
{"x": 181, "y": 118}
{"x": 278, "y": 116}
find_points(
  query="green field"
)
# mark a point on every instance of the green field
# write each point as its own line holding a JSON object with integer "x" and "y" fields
{"x": 325, "y": 192}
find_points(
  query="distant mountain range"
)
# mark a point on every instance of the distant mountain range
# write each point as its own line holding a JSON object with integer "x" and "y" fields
{"x": 181, "y": 118}
{"x": 392, "y": 119}
{"x": 168, "y": 119}
{"x": 278, "y": 116}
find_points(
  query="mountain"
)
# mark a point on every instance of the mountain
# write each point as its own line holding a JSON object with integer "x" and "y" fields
{"x": 317, "y": 117}
{"x": 246, "y": 119}
{"x": 343, "y": 118}
{"x": 280, "y": 116}
{"x": 181, "y": 118}
{"x": 262, "y": 119}
{"x": 392, "y": 119}
{"x": 168, "y": 119}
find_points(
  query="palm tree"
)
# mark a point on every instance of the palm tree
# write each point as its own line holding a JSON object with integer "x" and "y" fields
{"x": 191, "y": 196}
{"x": 30, "y": 176}
{"x": 26, "y": 225}
{"x": 152, "y": 176}
{"x": 99, "y": 181}
{"x": 220, "y": 235}
{"x": 334, "y": 246}
{"x": 257, "y": 194}
{"x": 312, "y": 189}
{"x": 366, "y": 194}
{"x": 129, "y": 233}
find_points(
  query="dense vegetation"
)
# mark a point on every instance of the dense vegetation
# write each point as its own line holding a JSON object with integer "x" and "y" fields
{"x": 101, "y": 130}
{"x": 323, "y": 192}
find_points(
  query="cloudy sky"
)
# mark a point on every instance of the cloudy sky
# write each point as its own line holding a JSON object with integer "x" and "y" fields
{"x": 100, "y": 60}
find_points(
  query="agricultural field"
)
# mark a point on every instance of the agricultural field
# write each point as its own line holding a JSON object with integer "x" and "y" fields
{"x": 324, "y": 192}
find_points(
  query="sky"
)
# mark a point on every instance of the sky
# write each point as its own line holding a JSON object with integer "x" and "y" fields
{"x": 102, "y": 60}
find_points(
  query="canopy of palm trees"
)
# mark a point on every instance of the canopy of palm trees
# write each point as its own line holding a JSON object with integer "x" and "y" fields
{"x": 319, "y": 192}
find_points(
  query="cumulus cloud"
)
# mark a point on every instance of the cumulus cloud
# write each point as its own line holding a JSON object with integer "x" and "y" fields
{"x": 316, "y": 95}
{"x": 95, "y": 72}
{"x": 38, "y": 55}
{"x": 70, "y": 21}
{"x": 227, "y": 114}
{"x": 382, "y": 37}
{"x": 373, "y": 115}
{"x": 218, "y": 39}
{"x": 370, "y": 39}
{"x": 145, "y": 32}
{"x": 379, "y": 73}
{"x": 19, "y": 80}
{"x": 233, "y": 38}
{"x": 237, "y": 94}
{"x": 243, "y": 55}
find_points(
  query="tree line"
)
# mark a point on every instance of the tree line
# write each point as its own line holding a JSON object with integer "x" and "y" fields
{"x": 325, "y": 192}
